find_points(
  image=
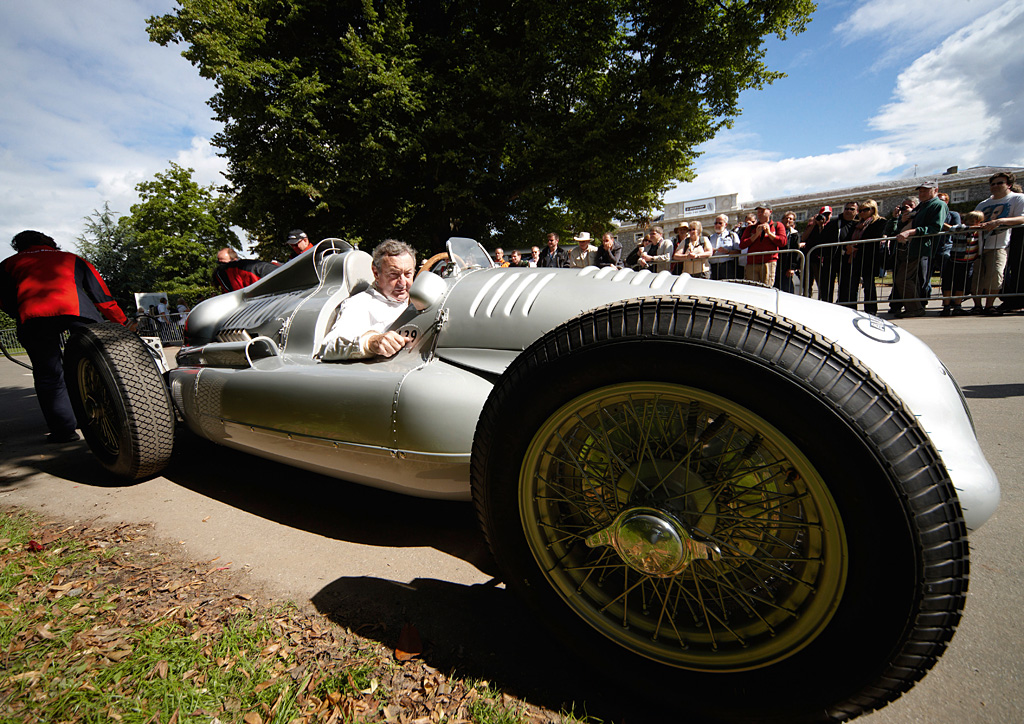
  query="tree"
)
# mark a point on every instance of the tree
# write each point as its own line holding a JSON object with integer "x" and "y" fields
{"x": 422, "y": 119}
{"x": 113, "y": 247}
{"x": 179, "y": 226}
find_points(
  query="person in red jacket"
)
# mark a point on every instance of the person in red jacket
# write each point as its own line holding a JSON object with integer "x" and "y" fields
{"x": 762, "y": 240}
{"x": 233, "y": 273}
{"x": 49, "y": 291}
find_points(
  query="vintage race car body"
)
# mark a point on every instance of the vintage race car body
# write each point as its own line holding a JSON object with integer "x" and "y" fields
{"x": 746, "y": 501}
{"x": 251, "y": 378}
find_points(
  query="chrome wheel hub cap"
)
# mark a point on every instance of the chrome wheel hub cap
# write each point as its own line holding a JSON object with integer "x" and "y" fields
{"x": 653, "y": 542}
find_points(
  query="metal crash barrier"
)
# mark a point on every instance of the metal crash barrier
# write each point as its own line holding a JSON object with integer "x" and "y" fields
{"x": 170, "y": 330}
{"x": 883, "y": 275}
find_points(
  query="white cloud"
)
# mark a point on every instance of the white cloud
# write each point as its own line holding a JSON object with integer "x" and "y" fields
{"x": 959, "y": 103}
{"x": 91, "y": 108}
{"x": 909, "y": 24}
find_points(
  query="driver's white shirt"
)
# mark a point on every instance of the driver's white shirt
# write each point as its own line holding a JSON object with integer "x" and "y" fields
{"x": 360, "y": 317}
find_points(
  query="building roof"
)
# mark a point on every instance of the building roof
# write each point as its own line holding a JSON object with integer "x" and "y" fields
{"x": 950, "y": 179}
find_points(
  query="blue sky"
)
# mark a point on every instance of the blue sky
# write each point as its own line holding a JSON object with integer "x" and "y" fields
{"x": 874, "y": 88}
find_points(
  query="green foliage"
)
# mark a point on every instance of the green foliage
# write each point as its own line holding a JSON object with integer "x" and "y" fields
{"x": 179, "y": 226}
{"x": 423, "y": 120}
{"x": 168, "y": 243}
{"x": 113, "y": 247}
{"x": 6, "y": 320}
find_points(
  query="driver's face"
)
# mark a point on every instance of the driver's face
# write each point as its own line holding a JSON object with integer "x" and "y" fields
{"x": 395, "y": 276}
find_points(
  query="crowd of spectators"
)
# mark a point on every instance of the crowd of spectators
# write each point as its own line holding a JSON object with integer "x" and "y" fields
{"x": 978, "y": 257}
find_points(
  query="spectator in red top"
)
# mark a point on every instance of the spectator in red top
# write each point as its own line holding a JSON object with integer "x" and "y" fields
{"x": 49, "y": 291}
{"x": 233, "y": 273}
{"x": 762, "y": 240}
{"x": 298, "y": 241}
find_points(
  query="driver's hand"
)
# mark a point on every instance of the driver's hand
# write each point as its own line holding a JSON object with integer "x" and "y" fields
{"x": 387, "y": 344}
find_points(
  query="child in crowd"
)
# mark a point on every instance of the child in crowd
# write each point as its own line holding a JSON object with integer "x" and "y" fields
{"x": 962, "y": 256}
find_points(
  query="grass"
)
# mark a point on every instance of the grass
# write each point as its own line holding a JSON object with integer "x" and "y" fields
{"x": 91, "y": 633}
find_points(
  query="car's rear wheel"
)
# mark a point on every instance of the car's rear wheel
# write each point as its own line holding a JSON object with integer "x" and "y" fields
{"x": 120, "y": 400}
{"x": 726, "y": 507}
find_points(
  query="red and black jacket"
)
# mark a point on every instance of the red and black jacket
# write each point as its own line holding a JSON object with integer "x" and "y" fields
{"x": 240, "y": 273}
{"x": 43, "y": 282}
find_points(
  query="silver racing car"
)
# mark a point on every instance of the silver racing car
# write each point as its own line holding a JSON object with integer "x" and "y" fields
{"x": 749, "y": 504}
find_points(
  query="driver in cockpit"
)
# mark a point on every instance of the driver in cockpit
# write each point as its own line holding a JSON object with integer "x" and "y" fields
{"x": 361, "y": 328}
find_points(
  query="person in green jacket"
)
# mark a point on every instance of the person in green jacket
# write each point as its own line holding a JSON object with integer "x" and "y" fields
{"x": 913, "y": 248}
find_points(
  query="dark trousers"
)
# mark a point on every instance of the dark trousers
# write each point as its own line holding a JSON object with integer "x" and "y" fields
{"x": 727, "y": 269}
{"x": 851, "y": 276}
{"x": 1013, "y": 275}
{"x": 42, "y": 340}
{"x": 907, "y": 283}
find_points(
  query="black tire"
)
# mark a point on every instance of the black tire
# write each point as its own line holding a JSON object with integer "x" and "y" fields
{"x": 830, "y": 553}
{"x": 120, "y": 400}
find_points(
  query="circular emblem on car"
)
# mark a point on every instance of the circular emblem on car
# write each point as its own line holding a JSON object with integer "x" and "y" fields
{"x": 877, "y": 329}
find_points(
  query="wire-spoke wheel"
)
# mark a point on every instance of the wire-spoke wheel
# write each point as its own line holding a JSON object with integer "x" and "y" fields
{"x": 682, "y": 526}
{"x": 120, "y": 400}
{"x": 100, "y": 413}
{"x": 722, "y": 509}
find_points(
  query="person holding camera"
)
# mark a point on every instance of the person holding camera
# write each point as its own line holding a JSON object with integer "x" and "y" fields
{"x": 762, "y": 240}
{"x": 913, "y": 248}
{"x": 811, "y": 238}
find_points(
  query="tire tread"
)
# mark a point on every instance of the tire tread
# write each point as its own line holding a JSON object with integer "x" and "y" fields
{"x": 852, "y": 391}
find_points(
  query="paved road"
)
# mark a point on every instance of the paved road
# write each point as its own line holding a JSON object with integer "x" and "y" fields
{"x": 374, "y": 561}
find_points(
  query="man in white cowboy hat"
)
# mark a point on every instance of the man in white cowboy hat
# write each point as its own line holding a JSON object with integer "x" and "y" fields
{"x": 585, "y": 253}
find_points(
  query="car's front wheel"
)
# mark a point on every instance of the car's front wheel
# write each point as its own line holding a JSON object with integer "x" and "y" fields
{"x": 724, "y": 506}
{"x": 120, "y": 400}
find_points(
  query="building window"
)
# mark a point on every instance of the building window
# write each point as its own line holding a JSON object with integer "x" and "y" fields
{"x": 801, "y": 215}
{"x": 958, "y": 197}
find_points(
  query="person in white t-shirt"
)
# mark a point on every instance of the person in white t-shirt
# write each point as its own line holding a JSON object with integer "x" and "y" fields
{"x": 1002, "y": 209}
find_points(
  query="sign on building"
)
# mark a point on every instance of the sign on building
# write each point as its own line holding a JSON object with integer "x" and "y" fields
{"x": 701, "y": 207}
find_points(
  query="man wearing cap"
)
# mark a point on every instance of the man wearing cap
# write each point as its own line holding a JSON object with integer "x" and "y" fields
{"x": 810, "y": 238}
{"x": 762, "y": 240}
{"x": 298, "y": 241}
{"x": 585, "y": 253}
{"x": 838, "y": 230}
{"x": 913, "y": 247}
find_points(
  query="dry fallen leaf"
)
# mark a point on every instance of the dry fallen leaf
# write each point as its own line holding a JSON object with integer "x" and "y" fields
{"x": 409, "y": 644}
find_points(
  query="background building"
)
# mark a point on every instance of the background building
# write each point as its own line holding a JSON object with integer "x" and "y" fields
{"x": 965, "y": 188}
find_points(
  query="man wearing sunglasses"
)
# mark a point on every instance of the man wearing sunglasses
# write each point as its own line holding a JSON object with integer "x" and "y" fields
{"x": 1002, "y": 209}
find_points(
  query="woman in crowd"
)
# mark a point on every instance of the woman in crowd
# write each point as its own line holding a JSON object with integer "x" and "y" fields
{"x": 859, "y": 262}
{"x": 693, "y": 253}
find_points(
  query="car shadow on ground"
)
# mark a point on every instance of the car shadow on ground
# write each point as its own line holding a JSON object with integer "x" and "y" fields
{"x": 993, "y": 392}
{"x": 327, "y": 506}
{"x": 24, "y": 450}
{"x": 483, "y": 632}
